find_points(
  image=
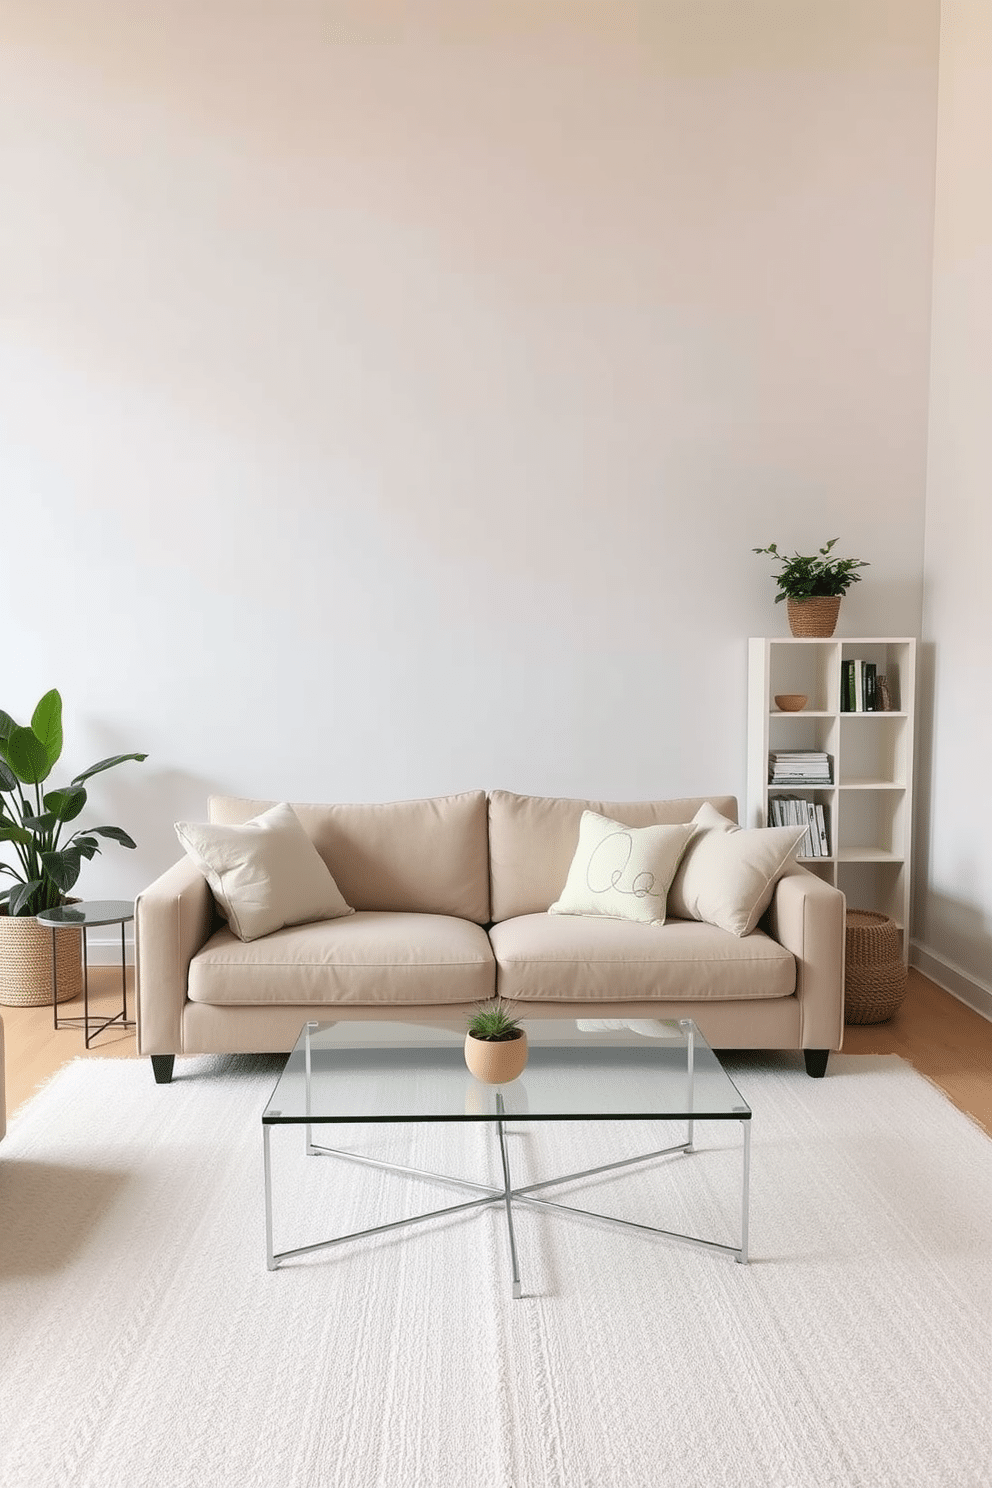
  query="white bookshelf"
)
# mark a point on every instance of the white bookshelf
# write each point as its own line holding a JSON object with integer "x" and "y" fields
{"x": 869, "y": 802}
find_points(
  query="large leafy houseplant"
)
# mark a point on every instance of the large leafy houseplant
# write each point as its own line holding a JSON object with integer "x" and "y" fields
{"x": 34, "y": 822}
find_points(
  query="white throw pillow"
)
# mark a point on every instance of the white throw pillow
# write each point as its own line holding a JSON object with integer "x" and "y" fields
{"x": 727, "y": 875}
{"x": 264, "y": 874}
{"x": 622, "y": 872}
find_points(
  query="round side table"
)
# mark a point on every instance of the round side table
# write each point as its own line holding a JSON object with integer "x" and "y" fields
{"x": 84, "y": 916}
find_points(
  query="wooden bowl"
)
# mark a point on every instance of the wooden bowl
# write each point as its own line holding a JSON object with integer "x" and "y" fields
{"x": 791, "y": 702}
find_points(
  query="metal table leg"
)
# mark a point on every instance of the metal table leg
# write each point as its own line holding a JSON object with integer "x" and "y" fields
{"x": 507, "y": 1194}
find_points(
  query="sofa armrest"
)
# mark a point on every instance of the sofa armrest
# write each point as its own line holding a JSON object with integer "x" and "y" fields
{"x": 173, "y": 918}
{"x": 806, "y": 916}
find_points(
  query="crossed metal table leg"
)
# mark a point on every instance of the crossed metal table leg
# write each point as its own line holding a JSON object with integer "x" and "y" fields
{"x": 506, "y": 1196}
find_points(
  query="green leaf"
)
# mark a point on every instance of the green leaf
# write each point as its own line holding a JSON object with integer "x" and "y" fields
{"x": 19, "y": 902}
{"x": 66, "y": 804}
{"x": 117, "y": 833}
{"x": 15, "y": 834}
{"x": 46, "y": 725}
{"x": 26, "y": 755}
{"x": 44, "y": 823}
{"x": 7, "y": 725}
{"x": 107, "y": 764}
{"x": 8, "y": 780}
{"x": 88, "y": 846}
{"x": 62, "y": 867}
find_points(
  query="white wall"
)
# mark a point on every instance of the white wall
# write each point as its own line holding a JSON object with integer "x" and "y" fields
{"x": 391, "y": 395}
{"x": 953, "y": 921}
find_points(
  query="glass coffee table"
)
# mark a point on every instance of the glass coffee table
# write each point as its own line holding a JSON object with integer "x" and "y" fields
{"x": 387, "y": 1073}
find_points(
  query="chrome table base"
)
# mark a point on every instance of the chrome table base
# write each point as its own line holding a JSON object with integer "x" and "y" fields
{"x": 507, "y": 1196}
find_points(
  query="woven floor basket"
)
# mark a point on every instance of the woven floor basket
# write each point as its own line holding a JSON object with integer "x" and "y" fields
{"x": 26, "y": 963}
{"x": 814, "y": 617}
{"x": 875, "y": 973}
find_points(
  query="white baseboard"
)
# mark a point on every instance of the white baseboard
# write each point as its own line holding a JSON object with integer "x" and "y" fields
{"x": 106, "y": 951}
{"x": 952, "y": 978}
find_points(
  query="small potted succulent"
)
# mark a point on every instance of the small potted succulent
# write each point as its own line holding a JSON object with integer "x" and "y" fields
{"x": 813, "y": 586}
{"x": 46, "y": 862}
{"x": 495, "y": 1044}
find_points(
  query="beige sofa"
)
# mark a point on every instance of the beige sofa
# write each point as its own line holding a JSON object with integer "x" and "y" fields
{"x": 451, "y": 897}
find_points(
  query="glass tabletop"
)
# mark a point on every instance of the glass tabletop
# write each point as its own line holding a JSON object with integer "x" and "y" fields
{"x": 391, "y": 1071}
{"x": 89, "y": 912}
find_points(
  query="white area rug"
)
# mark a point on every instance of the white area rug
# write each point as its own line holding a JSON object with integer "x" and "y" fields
{"x": 143, "y": 1342}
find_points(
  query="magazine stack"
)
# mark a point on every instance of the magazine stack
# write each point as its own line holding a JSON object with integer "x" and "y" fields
{"x": 799, "y": 767}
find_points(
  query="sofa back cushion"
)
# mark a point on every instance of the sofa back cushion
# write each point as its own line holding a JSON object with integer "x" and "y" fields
{"x": 532, "y": 840}
{"x": 420, "y": 857}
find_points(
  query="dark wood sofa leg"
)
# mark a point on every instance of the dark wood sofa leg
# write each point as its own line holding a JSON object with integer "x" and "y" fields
{"x": 816, "y": 1062}
{"x": 162, "y": 1068}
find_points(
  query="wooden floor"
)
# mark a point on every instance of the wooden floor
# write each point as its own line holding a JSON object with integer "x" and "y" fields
{"x": 933, "y": 1031}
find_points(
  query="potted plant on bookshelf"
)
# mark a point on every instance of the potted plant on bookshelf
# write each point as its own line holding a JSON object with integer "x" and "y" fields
{"x": 495, "y": 1044}
{"x": 813, "y": 586}
{"x": 46, "y": 864}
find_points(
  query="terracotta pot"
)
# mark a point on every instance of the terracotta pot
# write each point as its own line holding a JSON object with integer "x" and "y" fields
{"x": 814, "y": 617}
{"x": 26, "y": 962}
{"x": 496, "y": 1062}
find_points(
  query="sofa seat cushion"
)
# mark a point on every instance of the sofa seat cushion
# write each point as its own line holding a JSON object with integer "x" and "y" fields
{"x": 366, "y": 959}
{"x": 544, "y": 958}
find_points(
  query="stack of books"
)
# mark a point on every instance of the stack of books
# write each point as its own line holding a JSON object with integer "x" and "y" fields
{"x": 799, "y": 767}
{"x": 862, "y": 689}
{"x": 794, "y": 811}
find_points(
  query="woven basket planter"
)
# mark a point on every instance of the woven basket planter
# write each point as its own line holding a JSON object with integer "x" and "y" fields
{"x": 874, "y": 973}
{"x": 814, "y": 617}
{"x": 26, "y": 962}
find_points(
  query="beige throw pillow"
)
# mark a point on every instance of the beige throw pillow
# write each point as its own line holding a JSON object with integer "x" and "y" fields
{"x": 622, "y": 872}
{"x": 727, "y": 875}
{"x": 264, "y": 874}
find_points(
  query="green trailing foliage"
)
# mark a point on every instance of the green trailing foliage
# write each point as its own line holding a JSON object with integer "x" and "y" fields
{"x": 818, "y": 575}
{"x": 493, "y": 1023}
{"x": 33, "y": 821}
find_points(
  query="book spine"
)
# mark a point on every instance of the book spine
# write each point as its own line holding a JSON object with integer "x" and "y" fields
{"x": 811, "y": 832}
{"x": 870, "y": 670}
{"x": 821, "y": 826}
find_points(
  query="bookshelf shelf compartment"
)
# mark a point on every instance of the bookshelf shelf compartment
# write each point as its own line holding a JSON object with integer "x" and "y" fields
{"x": 869, "y": 798}
{"x": 870, "y": 785}
{"x": 867, "y": 855}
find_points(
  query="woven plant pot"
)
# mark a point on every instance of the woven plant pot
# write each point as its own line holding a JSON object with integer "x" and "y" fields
{"x": 26, "y": 962}
{"x": 814, "y": 617}
{"x": 496, "y": 1062}
{"x": 874, "y": 971}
